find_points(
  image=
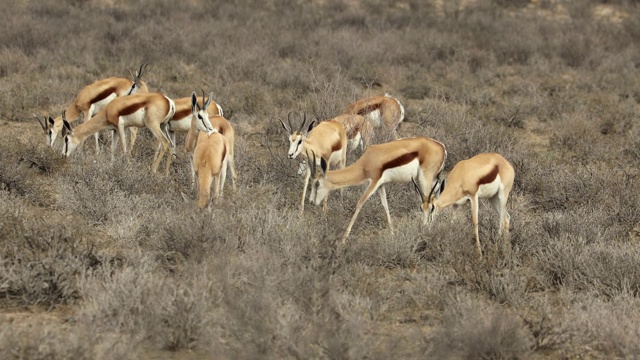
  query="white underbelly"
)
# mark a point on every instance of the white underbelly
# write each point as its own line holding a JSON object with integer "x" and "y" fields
{"x": 353, "y": 143}
{"x": 490, "y": 189}
{"x": 375, "y": 118}
{"x": 135, "y": 119}
{"x": 401, "y": 174}
{"x": 96, "y": 106}
{"x": 182, "y": 125}
{"x": 335, "y": 158}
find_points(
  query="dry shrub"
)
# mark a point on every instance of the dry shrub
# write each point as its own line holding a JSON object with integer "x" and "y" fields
{"x": 574, "y": 262}
{"x": 37, "y": 339}
{"x": 609, "y": 328}
{"x": 473, "y": 329}
{"x": 41, "y": 259}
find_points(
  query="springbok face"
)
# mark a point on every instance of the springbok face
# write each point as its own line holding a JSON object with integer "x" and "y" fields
{"x": 296, "y": 138}
{"x": 203, "y": 123}
{"x": 321, "y": 189}
{"x": 428, "y": 207}
{"x": 138, "y": 86}
{"x": 49, "y": 128}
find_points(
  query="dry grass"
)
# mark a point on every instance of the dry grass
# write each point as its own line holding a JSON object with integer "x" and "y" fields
{"x": 103, "y": 259}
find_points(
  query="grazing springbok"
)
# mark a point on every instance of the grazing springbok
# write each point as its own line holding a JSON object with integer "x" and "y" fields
{"x": 484, "y": 176}
{"x": 381, "y": 111}
{"x": 359, "y": 130}
{"x": 210, "y": 153}
{"x": 328, "y": 140}
{"x": 91, "y": 99}
{"x": 418, "y": 159}
{"x": 150, "y": 110}
{"x": 205, "y": 109}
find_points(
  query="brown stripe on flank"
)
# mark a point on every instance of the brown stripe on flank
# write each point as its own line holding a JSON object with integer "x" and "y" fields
{"x": 369, "y": 108}
{"x": 399, "y": 161}
{"x": 103, "y": 95}
{"x": 355, "y": 129}
{"x": 490, "y": 177}
{"x": 132, "y": 108}
{"x": 336, "y": 146}
{"x": 183, "y": 113}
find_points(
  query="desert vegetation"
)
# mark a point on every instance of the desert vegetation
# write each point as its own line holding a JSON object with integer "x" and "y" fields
{"x": 103, "y": 259}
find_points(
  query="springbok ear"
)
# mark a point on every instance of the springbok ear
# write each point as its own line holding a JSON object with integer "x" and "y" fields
{"x": 323, "y": 166}
{"x": 313, "y": 123}
{"x": 194, "y": 102}
{"x": 441, "y": 189}
{"x": 67, "y": 127}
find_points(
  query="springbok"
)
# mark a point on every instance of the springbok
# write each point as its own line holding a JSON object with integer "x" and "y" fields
{"x": 205, "y": 109}
{"x": 484, "y": 176}
{"x": 398, "y": 161}
{"x": 150, "y": 110}
{"x": 91, "y": 99}
{"x": 381, "y": 111}
{"x": 359, "y": 130}
{"x": 210, "y": 153}
{"x": 328, "y": 140}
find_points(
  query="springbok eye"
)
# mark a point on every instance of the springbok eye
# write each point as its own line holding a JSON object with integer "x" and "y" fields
{"x": 200, "y": 117}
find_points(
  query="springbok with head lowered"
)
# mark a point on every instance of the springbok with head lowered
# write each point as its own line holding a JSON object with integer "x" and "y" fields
{"x": 150, "y": 110}
{"x": 206, "y": 110}
{"x": 418, "y": 159}
{"x": 382, "y": 111}
{"x": 328, "y": 140}
{"x": 359, "y": 130}
{"x": 210, "y": 154}
{"x": 91, "y": 99}
{"x": 484, "y": 176}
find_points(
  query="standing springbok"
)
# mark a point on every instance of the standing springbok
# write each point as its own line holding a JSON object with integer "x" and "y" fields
{"x": 484, "y": 176}
{"x": 359, "y": 130}
{"x": 381, "y": 111}
{"x": 205, "y": 109}
{"x": 399, "y": 161}
{"x": 150, "y": 110}
{"x": 91, "y": 99}
{"x": 328, "y": 140}
{"x": 210, "y": 153}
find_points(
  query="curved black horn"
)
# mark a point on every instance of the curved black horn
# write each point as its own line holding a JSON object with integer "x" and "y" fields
{"x": 418, "y": 189}
{"x": 304, "y": 120}
{"x": 44, "y": 126}
{"x": 433, "y": 189}
{"x": 141, "y": 70}
{"x": 289, "y": 120}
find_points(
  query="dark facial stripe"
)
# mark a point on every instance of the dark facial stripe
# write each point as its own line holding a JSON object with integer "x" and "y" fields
{"x": 103, "y": 95}
{"x": 400, "y": 160}
{"x": 490, "y": 177}
{"x": 132, "y": 108}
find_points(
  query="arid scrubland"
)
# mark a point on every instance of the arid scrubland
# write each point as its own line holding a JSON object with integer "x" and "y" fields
{"x": 103, "y": 260}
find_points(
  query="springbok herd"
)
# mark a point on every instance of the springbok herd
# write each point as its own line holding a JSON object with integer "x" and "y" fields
{"x": 117, "y": 103}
